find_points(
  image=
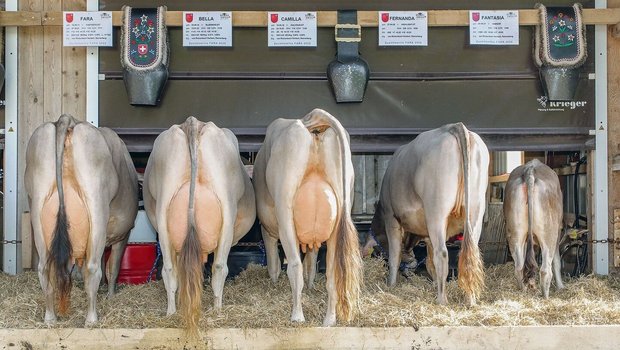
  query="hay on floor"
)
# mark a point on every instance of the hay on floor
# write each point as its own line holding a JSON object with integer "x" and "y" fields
{"x": 252, "y": 301}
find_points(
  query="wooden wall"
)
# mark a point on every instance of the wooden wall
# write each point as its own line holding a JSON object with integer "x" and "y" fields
{"x": 52, "y": 79}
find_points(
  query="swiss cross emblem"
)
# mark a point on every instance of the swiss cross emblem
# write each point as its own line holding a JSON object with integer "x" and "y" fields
{"x": 274, "y": 18}
{"x": 189, "y": 17}
{"x": 385, "y": 17}
{"x": 142, "y": 49}
{"x": 69, "y": 17}
{"x": 475, "y": 16}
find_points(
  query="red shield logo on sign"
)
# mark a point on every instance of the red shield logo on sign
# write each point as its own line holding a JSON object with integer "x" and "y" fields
{"x": 69, "y": 17}
{"x": 475, "y": 16}
{"x": 142, "y": 49}
{"x": 189, "y": 17}
{"x": 385, "y": 17}
{"x": 274, "y": 18}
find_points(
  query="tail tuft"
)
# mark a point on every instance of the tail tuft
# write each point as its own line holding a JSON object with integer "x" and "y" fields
{"x": 348, "y": 269}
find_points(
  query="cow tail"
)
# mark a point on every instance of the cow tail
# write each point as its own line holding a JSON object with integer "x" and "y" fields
{"x": 470, "y": 266}
{"x": 348, "y": 261}
{"x": 57, "y": 264}
{"x": 530, "y": 266}
{"x": 190, "y": 259}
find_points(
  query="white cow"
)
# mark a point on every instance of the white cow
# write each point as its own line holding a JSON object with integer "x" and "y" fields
{"x": 303, "y": 177}
{"x": 434, "y": 187}
{"x": 533, "y": 213}
{"x": 200, "y": 200}
{"x": 83, "y": 193}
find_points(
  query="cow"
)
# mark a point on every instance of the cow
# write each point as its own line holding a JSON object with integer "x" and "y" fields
{"x": 303, "y": 177}
{"x": 435, "y": 187}
{"x": 533, "y": 212}
{"x": 83, "y": 194}
{"x": 199, "y": 198}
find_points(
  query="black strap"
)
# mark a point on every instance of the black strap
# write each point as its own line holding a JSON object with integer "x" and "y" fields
{"x": 347, "y": 36}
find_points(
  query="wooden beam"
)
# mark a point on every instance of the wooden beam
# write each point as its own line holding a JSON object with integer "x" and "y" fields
{"x": 20, "y": 18}
{"x": 613, "y": 134}
{"x": 26, "y": 241}
{"x": 498, "y": 178}
{"x": 436, "y": 18}
{"x": 448, "y": 337}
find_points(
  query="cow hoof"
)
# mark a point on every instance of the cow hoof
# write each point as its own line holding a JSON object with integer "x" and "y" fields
{"x": 50, "y": 320}
{"x": 298, "y": 319}
{"x": 329, "y": 321}
{"x": 91, "y": 321}
{"x": 171, "y": 311}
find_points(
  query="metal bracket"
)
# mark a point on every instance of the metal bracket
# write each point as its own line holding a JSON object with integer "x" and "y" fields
{"x": 350, "y": 39}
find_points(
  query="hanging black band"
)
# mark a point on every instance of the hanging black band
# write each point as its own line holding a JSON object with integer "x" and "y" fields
{"x": 348, "y": 74}
{"x": 348, "y": 35}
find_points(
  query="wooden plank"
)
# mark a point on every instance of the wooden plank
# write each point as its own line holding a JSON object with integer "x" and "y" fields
{"x": 74, "y": 72}
{"x": 52, "y": 69}
{"x": 498, "y": 178}
{"x": 436, "y": 18}
{"x": 20, "y": 18}
{"x": 449, "y": 337}
{"x": 30, "y": 91}
{"x": 26, "y": 241}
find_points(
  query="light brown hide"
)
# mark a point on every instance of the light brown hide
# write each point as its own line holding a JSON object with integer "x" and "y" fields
{"x": 208, "y": 217}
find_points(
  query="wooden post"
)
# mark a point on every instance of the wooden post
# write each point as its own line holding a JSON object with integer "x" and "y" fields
{"x": 26, "y": 241}
{"x": 74, "y": 71}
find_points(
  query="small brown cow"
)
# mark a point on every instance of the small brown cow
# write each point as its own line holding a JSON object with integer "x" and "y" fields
{"x": 533, "y": 212}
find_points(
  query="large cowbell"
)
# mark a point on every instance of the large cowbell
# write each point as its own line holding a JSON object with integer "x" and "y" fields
{"x": 560, "y": 50}
{"x": 348, "y": 74}
{"x": 144, "y": 54}
{"x": 559, "y": 83}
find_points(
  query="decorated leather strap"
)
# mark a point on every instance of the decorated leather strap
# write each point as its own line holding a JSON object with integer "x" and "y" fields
{"x": 559, "y": 40}
{"x": 144, "y": 38}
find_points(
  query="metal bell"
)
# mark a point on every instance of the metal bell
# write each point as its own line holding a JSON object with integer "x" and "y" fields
{"x": 348, "y": 79}
{"x": 559, "y": 84}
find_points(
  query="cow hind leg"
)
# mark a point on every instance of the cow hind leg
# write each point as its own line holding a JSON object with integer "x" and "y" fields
{"x": 557, "y": 266}
{"x": 430, "y": 266}
{"x": 395, "y": 240}
{"x": 545, "y": 269}
{"x": 91, "y": 269}
{"x": 294, "y": 268}
{"x": 114, "y": 264}
{"x": 220, "y": 265}
{"x": 310, "y": 267}
{"x": 272, "y": 255}
{"x": 48, "y": 291}
{"x": 437, "y": 234}
{"x": 517, "y": 250}
{"x": 169, "y": 275}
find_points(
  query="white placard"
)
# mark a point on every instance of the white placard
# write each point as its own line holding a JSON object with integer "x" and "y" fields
{"x": 403, "y": 28}
{"x": 207, "y": 29}
{"x": 82, "y": 28}
{"x": 494, "y": 27}
{"x": 287, "y": 29}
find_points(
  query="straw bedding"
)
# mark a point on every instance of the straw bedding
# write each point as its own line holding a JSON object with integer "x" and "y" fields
{"x": 252, "y": 300}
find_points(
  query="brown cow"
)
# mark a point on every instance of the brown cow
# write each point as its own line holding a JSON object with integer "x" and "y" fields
{"x": 83, "y": 193}
{"x": 200, "y": 200}
{"x": 533, "y": 213}
{"x": 435, "y": 187}
{"x": 303, "y": 177}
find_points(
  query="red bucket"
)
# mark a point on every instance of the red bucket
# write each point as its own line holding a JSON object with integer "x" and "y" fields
{"x": 136, "y": 263}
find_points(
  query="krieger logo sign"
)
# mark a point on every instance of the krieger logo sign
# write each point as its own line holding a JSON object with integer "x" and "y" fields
{"x": 558, "y": 106}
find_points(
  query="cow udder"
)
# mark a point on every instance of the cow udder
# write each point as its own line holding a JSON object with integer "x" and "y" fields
{"x": 208, "y": 218}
